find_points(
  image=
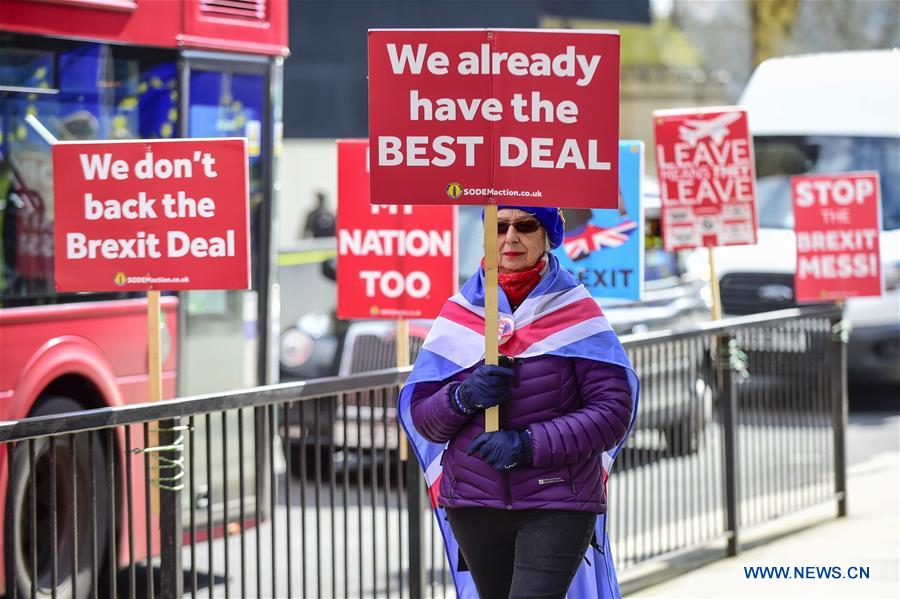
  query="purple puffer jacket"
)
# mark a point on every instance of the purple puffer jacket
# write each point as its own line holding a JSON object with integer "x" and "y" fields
{"x": 576, "y": 409}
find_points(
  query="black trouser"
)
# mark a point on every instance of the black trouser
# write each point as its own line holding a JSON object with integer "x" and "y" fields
{"x": 522, "y": 553}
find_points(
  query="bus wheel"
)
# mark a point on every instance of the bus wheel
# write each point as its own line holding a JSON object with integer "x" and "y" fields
{"x": 29, "y": 538}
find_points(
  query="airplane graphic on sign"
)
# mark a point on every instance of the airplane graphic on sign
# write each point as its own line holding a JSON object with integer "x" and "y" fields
{"x": 694, "y": 130}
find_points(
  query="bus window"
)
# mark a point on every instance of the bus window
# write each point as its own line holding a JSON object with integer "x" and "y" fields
{"x": 224, "y": 104}
{"x": 76, "y": 91}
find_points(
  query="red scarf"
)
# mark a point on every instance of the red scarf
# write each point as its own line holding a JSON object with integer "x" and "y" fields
{"x": 517, "y": 285}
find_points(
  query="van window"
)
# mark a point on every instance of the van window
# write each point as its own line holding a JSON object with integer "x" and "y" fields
{"x": 778, "y": 158}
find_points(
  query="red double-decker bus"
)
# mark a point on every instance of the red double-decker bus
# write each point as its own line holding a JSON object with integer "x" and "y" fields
{"x": 123, "y": 69}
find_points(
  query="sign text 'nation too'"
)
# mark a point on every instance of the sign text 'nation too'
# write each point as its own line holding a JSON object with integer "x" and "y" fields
{"x": 393, "y": 261}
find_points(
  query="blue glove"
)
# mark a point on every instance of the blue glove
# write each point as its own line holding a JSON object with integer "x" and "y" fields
{"x": 503, "y": 449}
{"x": 485, "y": 388}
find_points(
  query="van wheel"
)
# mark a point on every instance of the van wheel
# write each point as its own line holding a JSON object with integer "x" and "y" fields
{"x": 73, "y": 526}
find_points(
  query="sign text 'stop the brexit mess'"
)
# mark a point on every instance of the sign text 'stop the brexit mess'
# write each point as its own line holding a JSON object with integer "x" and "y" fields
{"x": 836, "y": 220}
{"x": 151, "y": 215}
{"x": 503, "y": 117}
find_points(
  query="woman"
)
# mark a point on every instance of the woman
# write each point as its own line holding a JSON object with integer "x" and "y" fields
{"x": 522, "y": 502}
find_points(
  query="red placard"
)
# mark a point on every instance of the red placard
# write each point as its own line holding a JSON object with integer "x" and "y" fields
{"x": 707, "y": 182}
{"x": 393, "y": 261}
{"x": 494, "y": 117}
{"x": 837, "y": 224}
{"x": 141, "y": 215}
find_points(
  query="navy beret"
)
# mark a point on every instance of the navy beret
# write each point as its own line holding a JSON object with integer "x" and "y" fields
{"x": 550, "y": 218}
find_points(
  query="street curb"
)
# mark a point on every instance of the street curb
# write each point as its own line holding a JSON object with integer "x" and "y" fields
{"x": 680, "y": 562}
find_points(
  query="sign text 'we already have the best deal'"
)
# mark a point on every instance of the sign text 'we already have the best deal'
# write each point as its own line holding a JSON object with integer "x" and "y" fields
{"x": 141, "y": 215}
{"x": 494, "y": 116}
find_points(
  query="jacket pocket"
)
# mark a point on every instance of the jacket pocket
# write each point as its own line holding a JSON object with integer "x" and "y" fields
{"x": 571, "y": 479}
{"x": 451, "y": 484}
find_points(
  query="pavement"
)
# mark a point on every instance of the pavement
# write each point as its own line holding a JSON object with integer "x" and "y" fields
{"x": 866, "y": 541}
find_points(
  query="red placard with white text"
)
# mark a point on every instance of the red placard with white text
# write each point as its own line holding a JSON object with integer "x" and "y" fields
{"x": 393, "y": 261}
{"x": 836, "y": 221}
{"x": 707, "y": 182}
{"x": 151, "y": 214}
{"x": 499, "y": 116}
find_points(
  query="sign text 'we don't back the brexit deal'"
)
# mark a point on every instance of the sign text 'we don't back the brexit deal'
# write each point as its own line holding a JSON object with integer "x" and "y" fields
{"x": 151, "y": 215}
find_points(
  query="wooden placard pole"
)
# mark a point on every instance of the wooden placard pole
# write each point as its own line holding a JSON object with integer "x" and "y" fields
{"x": 718, "y": 342}
{"x": 154, "y": 376}
{"x": 402, "y": 345}
{"x": 714, "y": 286}
{"x": 491, "y": 348}
{"x": 154, "y": 344}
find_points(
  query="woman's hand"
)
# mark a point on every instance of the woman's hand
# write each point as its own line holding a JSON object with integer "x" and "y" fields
{"x": 485, "y": 388}
{"x": 503, "y": 449}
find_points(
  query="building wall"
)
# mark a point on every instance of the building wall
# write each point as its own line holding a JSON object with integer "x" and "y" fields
{"x": 325, "y": 85}
{"x": 307, "y": 166}
{"x": 644, "y": 90}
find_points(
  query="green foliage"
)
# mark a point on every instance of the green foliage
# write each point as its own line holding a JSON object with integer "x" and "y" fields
{"x": 659, "y": 44}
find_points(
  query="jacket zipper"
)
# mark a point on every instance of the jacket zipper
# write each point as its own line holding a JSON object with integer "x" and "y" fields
{"x": 571, "y": 479}
{"x": 507, "y": 491}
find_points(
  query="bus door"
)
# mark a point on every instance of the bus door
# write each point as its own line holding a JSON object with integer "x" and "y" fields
{"x": 225, "y": 333}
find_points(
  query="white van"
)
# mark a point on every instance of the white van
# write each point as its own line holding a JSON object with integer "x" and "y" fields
{"x": 821, "y": 113}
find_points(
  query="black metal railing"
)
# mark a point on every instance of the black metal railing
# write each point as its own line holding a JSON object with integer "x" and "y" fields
{"x": 296, "y": 490}
{"x": 740, "y": 422}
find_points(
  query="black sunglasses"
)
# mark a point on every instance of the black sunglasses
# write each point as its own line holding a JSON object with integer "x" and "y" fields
{"x": 528, "y": 225}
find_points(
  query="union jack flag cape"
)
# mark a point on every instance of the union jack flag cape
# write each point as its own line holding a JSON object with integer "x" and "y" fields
{"x": 559, "y": 317}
